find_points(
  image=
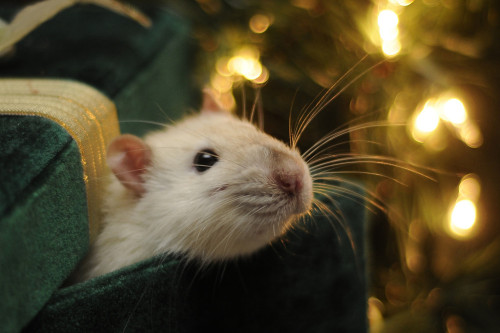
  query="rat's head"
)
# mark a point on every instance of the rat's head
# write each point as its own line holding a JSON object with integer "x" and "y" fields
{"x": 212, "y": 186}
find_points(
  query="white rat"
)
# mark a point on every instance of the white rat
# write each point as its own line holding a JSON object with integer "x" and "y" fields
{"x": 211, "y": 188}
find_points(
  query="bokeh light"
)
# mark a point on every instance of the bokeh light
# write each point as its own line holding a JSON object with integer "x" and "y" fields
{"x": 391, "y": 47}
{"x": 426, "y": 121}
{"x": 387, "y": 20}
{"x": 244, "y": 64}
{"x": 470, "y": 187}
{"x": 463, "y": 217}
{"x": 248, "y": 67}
{"x": 401, "y": 2}
{"x": 453, "y": 110}
{"x": 389, "y": 32}
{"x": 259, "y": 23}
{"x": 471, "y": 135}
{"x": 463, "y": 212}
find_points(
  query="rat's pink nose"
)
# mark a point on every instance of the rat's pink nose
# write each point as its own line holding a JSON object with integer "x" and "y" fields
{"x": 289, "y": 180}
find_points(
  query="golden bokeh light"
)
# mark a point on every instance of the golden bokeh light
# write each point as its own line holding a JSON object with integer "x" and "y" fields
{"x": 221, "y": 67}
{"x": 374, "y": 311}
{"x": 259, "y": 23}
{"x": 388, "y": 30}
{"x": 391, "y": 48}
{"x": 264, "y": 76}
{"x": 221, "y": 83}
{"x": 244, "y": 64}
{"x": 428, "y": 119}
{"x": 388, "y": 20}
{"x": 463, "y": 213}
{"x": 469, "y": 187}
{"x": 471, "y": 135}
{"x": 453, "y": 110}
{"x": 388, "y": 33}
{"x": 463, "y": 217}
{"x": 247, "y": 67}
{"x": 401, "y": 2}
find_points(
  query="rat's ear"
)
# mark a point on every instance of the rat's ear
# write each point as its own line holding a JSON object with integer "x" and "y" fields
{"x": 128, "y": 156}
{"x": 210, "y": 102}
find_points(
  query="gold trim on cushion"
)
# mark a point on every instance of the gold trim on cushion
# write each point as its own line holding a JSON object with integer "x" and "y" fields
{"x": 86, "y": 114}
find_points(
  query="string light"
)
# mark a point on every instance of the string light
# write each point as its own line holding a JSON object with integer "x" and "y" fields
{"x": 452, "y": 111}
{"x": 244, "y": 64}
{"x": 388, "y": 30}
{"x": 248, "y": 67}
{"x": 426, "y": 121}
{"x": 463, "y": 217}
{"x": 463, "y": 213}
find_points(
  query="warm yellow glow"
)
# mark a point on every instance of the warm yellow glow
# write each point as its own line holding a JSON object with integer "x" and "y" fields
{"x": 387, "y": 19}
{"x": 428, "y": 119}
{"x": 305, "y": 4}
{"x": 470, "y": 187}
{"x": 264, "y": 76}
{"x": 227, "y": 100}
{"x": 390, "y": 34}
{"x": 463, "y": 217}
{"x": 401, "y": 2}
{"x": 245, "y": 62}
{"x": 375, "y": 309}
{"x": 248, "y": 67}
{"x": 221, "y": 83}
{"x": 463, "y": 213}
{"x": 471, "y": 135}
{"x": 391, "y": 48}
{"x": 388, "y": 31}
{"x": 453, "y": 110}
{"x": 259, "y": 23}
{"x": 222, "y": 68}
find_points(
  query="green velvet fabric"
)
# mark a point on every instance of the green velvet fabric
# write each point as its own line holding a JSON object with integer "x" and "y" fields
{"x": 313, "y": 282}
{"x": 43, "y": 215}
{"x": 146, "y": 72}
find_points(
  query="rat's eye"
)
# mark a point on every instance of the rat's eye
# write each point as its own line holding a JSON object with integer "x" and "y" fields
{"x": 204, "y": 160}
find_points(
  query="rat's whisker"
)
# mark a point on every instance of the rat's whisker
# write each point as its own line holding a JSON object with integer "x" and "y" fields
{"x": 309, "y": 112}
{"x": 341, "y": 132}
{"x": 327, "y": 99}
{"x": 329, "y": 175}
{"x": 144, "y": 122}
{"x": 337, "y": 161}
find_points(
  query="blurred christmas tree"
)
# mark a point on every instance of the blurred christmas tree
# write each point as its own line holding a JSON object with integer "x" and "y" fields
{"x": 434, "y": 256}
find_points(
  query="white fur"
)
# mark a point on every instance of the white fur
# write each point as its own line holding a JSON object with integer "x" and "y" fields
{"x": 232, "y": 209}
